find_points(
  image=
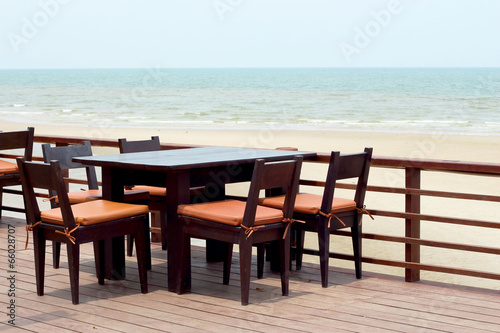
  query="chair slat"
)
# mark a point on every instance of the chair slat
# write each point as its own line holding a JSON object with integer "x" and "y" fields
{"x": 65, "y": 154}
{"x": 139, "y": 145}
{"x": 351, "y": 165}
{"x": 17, "y": 140}
{"x": 277, "y": 174}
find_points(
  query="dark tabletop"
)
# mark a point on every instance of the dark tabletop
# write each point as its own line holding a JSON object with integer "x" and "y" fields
{"x": 179, "y": 159}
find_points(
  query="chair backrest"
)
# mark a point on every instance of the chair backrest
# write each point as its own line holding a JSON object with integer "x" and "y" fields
{"x": 140, "y": 145}
{"x": 46, "y": 176}
{"x": 65, "y": 156}
{"x": 345, "y": 167}
{"x": 18, "y": 140}
{"x": 270, "y": 175}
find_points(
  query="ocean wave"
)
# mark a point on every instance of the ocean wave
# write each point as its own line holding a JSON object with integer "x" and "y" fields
{"x": 18, "y": 105}
{"x": 132, "y": 117}
{"x": 26, "y": 114}
{"x": 437, "y": 121}
{"x": 156, "y": 121}
{"x": 237, "y": 122}
{"x": 195, "y": 114}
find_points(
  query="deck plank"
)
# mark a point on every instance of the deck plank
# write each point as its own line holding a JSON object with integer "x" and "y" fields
{"x": 376, "y": 303}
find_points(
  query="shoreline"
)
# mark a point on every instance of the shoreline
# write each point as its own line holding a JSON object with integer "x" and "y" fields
{"x": 393, "y": 128}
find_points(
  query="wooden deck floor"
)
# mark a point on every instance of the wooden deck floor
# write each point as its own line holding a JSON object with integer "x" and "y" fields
{"x": 375, "y": 303}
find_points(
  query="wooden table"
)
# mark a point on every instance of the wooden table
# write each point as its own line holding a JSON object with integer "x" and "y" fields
{"x": 178, "y": 170}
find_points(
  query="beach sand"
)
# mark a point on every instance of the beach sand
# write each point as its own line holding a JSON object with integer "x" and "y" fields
{"x": 407, "y": 145}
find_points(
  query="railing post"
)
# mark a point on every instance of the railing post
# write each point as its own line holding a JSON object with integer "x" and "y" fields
{"x": 412, "y": 226}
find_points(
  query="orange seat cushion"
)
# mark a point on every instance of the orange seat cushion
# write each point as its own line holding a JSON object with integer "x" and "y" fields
{"x": 83, "y": 196}
{"x": 136, "y": 195}
{"x": 307, "y": 203}
{"x": 229, "y": 212}
{"x": 92, "y": 212}
{"x": 91, "y": 195}
{"x": 153, "y": 190}
{"x": 7, "y": 167}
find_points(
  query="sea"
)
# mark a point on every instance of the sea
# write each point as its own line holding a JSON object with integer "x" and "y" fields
{"x": 462, "y": 101}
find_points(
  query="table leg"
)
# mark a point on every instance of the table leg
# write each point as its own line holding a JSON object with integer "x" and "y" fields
{"x": 114, "y": 259}
{"x": 118, "y": 259}
{"x": 179, "y": 250}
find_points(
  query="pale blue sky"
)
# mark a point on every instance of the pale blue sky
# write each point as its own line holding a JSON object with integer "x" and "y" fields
{"x": 249, "y": 33}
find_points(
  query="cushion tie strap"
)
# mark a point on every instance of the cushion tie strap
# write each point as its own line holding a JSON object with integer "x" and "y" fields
{"x": 329, "y": 216}
{"x": 250, "y": 230}
{"x": 68, "y": 233}
{"x": 364, "y": 211}
{"x": 28, "y": 229}
{"x": 289, "y": 221}
{"x": 50, "y": 198}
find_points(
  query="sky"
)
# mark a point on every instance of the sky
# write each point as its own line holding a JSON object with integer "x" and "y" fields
{"x": 249, "y": 33}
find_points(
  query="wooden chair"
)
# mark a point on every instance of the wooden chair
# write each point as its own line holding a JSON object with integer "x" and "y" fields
{"x": 157, "y": 200}
{"x": 65, "y": 156}
{"x": 247, "y": 223}
{"x": 91, "y": 221}
{"x": 325, "y": 213}
{"x": 9, "y": 174}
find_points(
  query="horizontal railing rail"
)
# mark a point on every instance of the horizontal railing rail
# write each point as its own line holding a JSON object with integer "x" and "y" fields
{"x": 410, "y": 213}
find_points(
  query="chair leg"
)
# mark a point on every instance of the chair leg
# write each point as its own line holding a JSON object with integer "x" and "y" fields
{"x": 245, "y": 266}
{"x": 324, "y": 253}
{"x": 299, "y": 248}
{"x": 268, "y": 252}
{"x": 261, "y": 250}
{"x": 130, "y": 249}
{"x": 357, "y": 249}
{"x": 142, "y": 245}
{"x": 130, "y": 245}
{"x": 1, "y": 201}
{"x": 163, "y": 227}
{"x": 56, "y": 254}
{"x": 147, "y": 240}
{"x": 74, "y": 270}
{"x": 99, "y": 260}
{"x": 39, "y": 248}
{"x": 227, "y": 263}
{"x": 285, "y": 264}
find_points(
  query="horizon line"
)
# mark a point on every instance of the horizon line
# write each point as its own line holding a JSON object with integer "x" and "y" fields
{"x": 263, "y": 67}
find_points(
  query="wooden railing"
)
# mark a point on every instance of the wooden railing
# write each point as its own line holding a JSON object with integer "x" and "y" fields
{"x": 410, "y": 213}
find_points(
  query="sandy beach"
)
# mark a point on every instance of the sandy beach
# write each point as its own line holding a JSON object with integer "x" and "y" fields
{"x": 429, "y": 146}
{"x": 432, "y": 146}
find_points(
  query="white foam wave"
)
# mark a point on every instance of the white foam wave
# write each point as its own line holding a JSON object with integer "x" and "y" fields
{"x": 132, "y": 117}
